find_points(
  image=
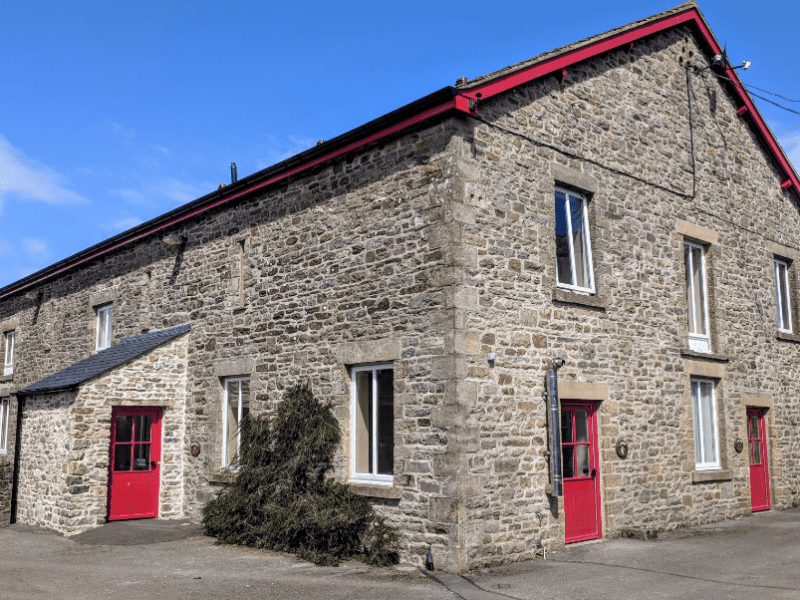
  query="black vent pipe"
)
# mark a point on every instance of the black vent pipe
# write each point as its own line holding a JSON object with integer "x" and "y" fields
{"x": 233, "y": 173}
{"x": 557, "y": 479}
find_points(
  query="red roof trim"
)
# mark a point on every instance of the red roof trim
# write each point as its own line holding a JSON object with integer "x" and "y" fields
{"x": 558, "y": 65}
{"x": 466, "y": 103}
{"x": 457, "y": 103}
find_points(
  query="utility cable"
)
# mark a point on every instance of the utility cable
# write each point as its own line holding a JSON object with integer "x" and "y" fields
{"x": 739, "y": 86}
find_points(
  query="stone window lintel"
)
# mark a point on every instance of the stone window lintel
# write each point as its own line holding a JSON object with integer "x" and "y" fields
{"x": 11, "y": 325}
{"x": 696, "y": 233}
{"x": 573, "y": 178}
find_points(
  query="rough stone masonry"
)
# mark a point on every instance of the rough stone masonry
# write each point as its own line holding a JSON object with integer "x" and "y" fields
{"x": 430, "y": 250}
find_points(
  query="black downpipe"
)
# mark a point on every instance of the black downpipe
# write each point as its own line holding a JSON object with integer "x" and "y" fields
{"x": 17, "y": 451}
{"x": 555, "y": 428}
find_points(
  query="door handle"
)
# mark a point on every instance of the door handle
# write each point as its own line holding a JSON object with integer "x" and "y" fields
{"x": 154, "y": 464}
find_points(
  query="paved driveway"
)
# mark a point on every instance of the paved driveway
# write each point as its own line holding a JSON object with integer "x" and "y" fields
{"x": 756, "y": 557}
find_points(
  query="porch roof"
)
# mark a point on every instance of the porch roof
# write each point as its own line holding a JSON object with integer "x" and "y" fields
{"x": 105, "y": 360}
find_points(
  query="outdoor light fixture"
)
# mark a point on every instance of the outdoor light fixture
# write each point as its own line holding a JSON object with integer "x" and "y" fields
{"x": 173, "y": 239}
{"x": 31, "y": 295}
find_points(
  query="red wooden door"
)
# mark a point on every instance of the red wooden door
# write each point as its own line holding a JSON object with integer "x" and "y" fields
{"x": 579, "y": 464}
{"x": 135, "y": 463}
{"x": 759, "y": 469}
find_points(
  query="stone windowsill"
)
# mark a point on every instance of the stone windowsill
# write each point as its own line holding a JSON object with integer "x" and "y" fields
{"x": 222, "y": 477}
{"x": 4, "y": 378}
{"x": 705, "y": 355}
{"x": 706, "y": 476}
{"x": 789, "y": 337}
{"x": 376, "y": 491}
{"x": 570, "y": 297}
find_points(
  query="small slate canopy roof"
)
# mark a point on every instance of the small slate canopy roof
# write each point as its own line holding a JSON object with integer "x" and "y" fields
{"x": 105, "y": 360}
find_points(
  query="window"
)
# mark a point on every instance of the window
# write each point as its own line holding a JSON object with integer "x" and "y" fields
{"x": 372, "y": 424}
{"x": 694, "y": 257}
{"x": 237, "y": 407}
{"x": 704, "y": 415}
{"x": 4, "y": 408}
{"x": 782, "y": 293}
{"x": 8, "y": 369}
{"x": 104, "y": 317}
{"x": 573, "y": 249}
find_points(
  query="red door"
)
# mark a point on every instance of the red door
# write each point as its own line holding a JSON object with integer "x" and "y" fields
{"x": 135, "y": 463}
{"x": 759, "y": 471}
{"x": 579, "y": 464}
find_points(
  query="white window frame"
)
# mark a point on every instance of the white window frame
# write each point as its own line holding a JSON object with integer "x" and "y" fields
{"x": 781, "y": 325}
{"x": 9, "y": 337}
{"x": 104, "y": 313}
{"x": 698, "y": 342}
{"x": 225, "y": 423}
{"x": 372, "y": 478}
{"x": 585, "y": 214}
{"x": 701, "y": 462}
{"x": 5, "y": 408}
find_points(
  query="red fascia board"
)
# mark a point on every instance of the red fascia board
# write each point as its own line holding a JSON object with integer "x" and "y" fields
{"x": 558, "y": 65}
{"x": 458, "y": 103}
{"x": 761, "y": 127}
{"x": 569, "y": 58}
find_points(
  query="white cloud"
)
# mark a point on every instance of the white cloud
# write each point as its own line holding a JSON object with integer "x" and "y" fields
{"x": 26, "y": 179}
{"x": 179, "y": 191}
{"x": 35, "y": 247}
{"x": 121, "y": 223}
{"x": 160, "y": 148}
{"x": 133, "y": 196}
{"x": 85, "y": 171}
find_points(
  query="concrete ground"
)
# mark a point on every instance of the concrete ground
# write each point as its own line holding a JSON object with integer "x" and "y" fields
{"x": 756, "y": 557}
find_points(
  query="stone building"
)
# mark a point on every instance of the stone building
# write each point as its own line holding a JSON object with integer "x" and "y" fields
{"x": 618, "y": 203}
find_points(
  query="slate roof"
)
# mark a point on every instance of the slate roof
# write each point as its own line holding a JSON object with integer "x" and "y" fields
{"x": 105, "y": 360}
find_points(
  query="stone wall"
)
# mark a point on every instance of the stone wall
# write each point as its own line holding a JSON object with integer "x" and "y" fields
{"x": 350, "y": 256}
{"x": 618, "y": 130}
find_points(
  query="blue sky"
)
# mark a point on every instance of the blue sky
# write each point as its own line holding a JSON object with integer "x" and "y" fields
{"x": 112, "y": 113}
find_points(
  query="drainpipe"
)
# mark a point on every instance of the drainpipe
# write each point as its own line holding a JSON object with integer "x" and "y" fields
{"x": 556, "y": 485}
{"x": 17, "y": 448}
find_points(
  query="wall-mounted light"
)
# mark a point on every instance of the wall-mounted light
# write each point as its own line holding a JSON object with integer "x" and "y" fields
{"x": 173, "y": 239}
{"x": 31, "y": 295}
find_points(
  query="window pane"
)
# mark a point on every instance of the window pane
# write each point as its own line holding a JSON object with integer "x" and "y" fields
{"x": 124, "y": 428}
{"x": 363, "y": 422}
{"x": 566, "y": 427}
{"x": 563, "y": 259}
{"x": 580, "y": 242}
{"x": 385, "y": 422}
{"x": 699, "y": 288}
{"x": 122, "y": 457}
{"x": 709, "y": 429}
{"x": 698, "y": 446}
{"x": 245, "y": 398}
{"x": 141, "y": 457}
{"x": 232, "y": 433}
{"x": 783, "y": 296}
{"x": 755, "y": 452}
{"x": 581, "y": 426}
{"x": 143, "y": 428}
{"x": 568, "y": 453}
{"x": 4, "y": 412}
{"x": 582, "y": 460}
{"x": 687, "y": 260}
